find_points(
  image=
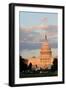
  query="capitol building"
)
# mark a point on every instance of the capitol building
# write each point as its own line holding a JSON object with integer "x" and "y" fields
{"x": 45, "y": 59}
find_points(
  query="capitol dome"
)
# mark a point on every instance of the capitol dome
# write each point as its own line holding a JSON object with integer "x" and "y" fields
{"x": 45, "y": 54}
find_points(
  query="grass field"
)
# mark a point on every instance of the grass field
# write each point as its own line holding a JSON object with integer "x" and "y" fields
{"x": 38, "y": 74}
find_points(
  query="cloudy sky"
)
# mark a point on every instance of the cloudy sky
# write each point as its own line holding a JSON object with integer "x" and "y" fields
{"x": 33, "y": 26}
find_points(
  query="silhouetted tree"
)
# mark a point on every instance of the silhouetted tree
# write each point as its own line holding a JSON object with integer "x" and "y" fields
{"x": 55, "y": 64}
{"x": 30, "y": 66}
{"x": 23, "y": 65}
{"x": 36, "y": 66}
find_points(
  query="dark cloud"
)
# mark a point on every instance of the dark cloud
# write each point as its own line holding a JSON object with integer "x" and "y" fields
{"x": 29, "y": 36}
{"x": 29, "y": 46}
{"x": 32, "y": 46}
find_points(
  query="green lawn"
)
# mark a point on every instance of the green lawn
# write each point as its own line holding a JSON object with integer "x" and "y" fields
{"x": 38, "y": 74}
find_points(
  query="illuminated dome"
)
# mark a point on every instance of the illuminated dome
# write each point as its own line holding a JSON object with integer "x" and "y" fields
{"x": 45, "y": 59}
{"x": 45, "y": 54}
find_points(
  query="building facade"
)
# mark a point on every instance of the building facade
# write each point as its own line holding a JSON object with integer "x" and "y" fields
{"x": 45, "y": 59}
{"x": 45, "y": 54}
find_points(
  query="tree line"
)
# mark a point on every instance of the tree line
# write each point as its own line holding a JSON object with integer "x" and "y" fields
{"x": 24, "y": 66}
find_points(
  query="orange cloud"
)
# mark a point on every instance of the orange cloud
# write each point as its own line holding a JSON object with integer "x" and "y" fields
{"x": 37, "y": 27}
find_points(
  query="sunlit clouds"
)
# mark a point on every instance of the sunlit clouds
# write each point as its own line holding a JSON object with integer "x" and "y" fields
{"x": 32, "y": 30}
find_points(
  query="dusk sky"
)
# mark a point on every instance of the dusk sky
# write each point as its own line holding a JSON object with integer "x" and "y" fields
{"x": 33, "y": 26}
